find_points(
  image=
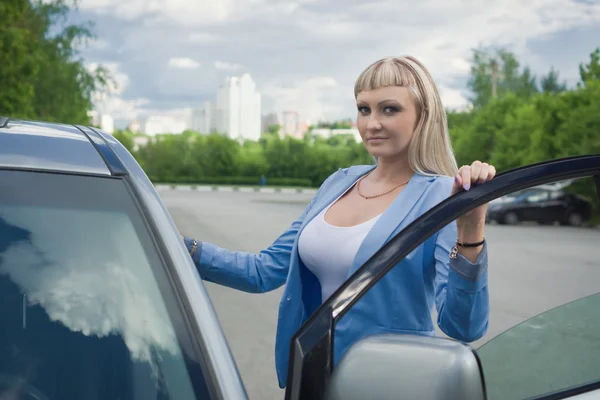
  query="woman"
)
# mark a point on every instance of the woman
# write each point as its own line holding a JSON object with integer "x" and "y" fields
{"x": 358, "y": 209}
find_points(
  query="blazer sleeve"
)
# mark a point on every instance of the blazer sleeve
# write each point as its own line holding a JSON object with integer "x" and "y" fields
{"x": 249, "y": 272}
{"x": 461, "y": 287}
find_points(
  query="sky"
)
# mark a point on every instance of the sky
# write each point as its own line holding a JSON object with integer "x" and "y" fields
{"x": 304, "y": 55}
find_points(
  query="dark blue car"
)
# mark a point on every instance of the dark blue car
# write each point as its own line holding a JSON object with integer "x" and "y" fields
{"x": 99, "y": 298}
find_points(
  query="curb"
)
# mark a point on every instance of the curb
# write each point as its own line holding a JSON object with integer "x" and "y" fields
{"x": 208, "y": 188}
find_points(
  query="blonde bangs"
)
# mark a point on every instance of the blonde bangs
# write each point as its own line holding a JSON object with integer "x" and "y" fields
{"x": 384, "y": 73}
{"x": 430, "y": 150}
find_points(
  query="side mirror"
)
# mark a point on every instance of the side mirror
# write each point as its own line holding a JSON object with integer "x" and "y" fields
{"x": 398, "y": 366}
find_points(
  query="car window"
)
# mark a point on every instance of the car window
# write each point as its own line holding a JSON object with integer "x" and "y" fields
{"x": 552, "y": 351}
{"x": 544, "y": 331}
{"x": 84, "y": 307}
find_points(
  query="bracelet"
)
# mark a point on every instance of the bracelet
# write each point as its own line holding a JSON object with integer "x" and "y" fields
{"x": 454, "y": 251}
{"x": 464, "y": 244}
{"x": 194, "y": 248}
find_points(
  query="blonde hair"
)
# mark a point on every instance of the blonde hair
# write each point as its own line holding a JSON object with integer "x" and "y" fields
{"x": 430, "y": 151}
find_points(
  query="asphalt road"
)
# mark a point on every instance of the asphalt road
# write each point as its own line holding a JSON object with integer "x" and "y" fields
{"x": 532, "y": 269}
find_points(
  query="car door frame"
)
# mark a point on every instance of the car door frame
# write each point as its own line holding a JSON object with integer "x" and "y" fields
{"x": 311, "y": 348}
{"x": 209, "y": 349}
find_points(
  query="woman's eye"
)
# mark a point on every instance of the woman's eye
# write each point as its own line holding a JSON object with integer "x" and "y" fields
{"x": 363, "y": 110}
{"x": 390, "y": 110}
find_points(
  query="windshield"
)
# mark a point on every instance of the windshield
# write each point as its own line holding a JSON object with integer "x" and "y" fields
{"x": 82, "y": 313}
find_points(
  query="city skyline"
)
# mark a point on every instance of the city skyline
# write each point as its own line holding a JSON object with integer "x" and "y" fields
{"x": 234, "y": 111}
{"x": 306, "y": 54}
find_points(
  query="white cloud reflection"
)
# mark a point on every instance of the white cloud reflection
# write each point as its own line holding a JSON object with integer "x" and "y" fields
{"x": 89, "y": 272}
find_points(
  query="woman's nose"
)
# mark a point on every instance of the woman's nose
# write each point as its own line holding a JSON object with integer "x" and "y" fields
{"x": 373, "y": 123}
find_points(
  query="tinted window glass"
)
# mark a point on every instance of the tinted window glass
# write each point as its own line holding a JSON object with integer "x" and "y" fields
{"x": 85, "y": 310}
{"x": 553, "y": 351}
{"x": 544, "y": 331}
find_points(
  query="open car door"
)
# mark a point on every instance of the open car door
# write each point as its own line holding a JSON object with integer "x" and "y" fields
{"x": 455, "y": 368}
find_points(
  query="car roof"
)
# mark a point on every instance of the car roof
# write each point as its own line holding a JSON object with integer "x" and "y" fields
{"x": 46, "y": 146}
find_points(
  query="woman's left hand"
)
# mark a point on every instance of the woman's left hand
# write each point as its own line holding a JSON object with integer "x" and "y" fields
{"x": 470, "y": 225}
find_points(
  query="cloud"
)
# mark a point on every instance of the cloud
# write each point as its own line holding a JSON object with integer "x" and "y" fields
{"x": 452, "y": 99}
{"x": 92, "y": 290}
{"x": 183, "y": 11}
{"x": 314, "y": 98}
{"x": 202, "y": 37}
{"x": 290, "y": 47}
{"x": 120, "y": 81}
{"x": 183, "y": 63}
{"x": 223, "y": 65}
{"x": 111, "y": 101}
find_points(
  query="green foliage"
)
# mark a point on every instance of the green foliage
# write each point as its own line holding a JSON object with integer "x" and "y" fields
{"x": 591, "y": 71}
{"x": 126, "y": 139}
{"x": 42, "y": 77}
{"x": 516, "y": 129}
{"x": 550, "y": 84}
{"x": 196, "y": 158}
{"x": 345, "y": 124}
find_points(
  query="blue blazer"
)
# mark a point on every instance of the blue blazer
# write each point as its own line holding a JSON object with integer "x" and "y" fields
{"x": 402, "y": 302}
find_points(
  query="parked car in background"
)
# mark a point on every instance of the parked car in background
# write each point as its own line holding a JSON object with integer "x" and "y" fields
{"x": 99, "y": 298}
{"x": 545, "y": 205}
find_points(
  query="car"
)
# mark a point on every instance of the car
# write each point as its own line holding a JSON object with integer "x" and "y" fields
{"x": 99, "y": 298}
{"x": 544, "y": 204}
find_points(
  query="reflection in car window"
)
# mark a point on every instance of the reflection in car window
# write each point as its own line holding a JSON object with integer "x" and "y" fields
{"x": 82, "y": 313}
{"x": 553, "y": 351}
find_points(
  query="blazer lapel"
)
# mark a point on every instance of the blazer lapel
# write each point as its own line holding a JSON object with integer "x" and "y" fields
{"x": 390, "y": 220}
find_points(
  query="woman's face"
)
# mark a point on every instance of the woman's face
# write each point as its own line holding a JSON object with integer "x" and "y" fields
{"x": 386, "y": 120}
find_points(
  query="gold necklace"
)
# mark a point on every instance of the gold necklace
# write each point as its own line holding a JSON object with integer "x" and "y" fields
{"x": 376, "y": 195}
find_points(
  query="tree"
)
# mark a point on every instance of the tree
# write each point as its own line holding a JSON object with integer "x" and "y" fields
{"x": 495, "y": 73}
{"x": 549, "y": 83}
{"x": 274, "y": 129}
{"x": 20, "y": 59}
{"x": 524, "y": 84}
{"x": 591, "y": 72}
{"x": 43, "y": 78}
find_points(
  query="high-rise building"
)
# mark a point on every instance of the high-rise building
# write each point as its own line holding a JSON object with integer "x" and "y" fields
{"x": 228, "y": 107}
{"x": 291, "y": 123}
{"x": 238, "y": 108}
{"x": 202, "y": 119}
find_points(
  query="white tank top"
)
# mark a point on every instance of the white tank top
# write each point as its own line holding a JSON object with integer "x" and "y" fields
{"x": 328, "y": 251}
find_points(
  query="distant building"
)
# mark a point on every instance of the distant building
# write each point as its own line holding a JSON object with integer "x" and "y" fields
{"x": 107, "y": 124}
{"x": 268, "y": 120}
{"x": 156, "y": 124}
{"x": 203, "y": 120}
{"x": 102, "y": 121}
{"x": 134, "y": 127}
{"x": 238, "y": 108}
{"x": 291, "y": 123}
{"x": 94, "y": 118}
